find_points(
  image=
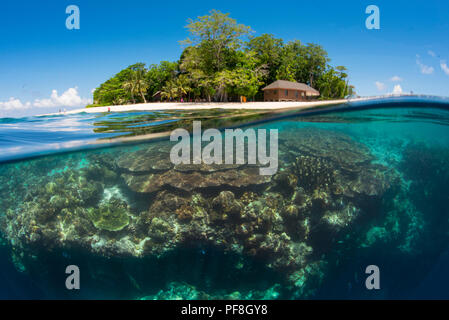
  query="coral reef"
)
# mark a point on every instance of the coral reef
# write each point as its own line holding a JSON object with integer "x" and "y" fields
{"x": 111, "y": 216}
{"x": 289, "y": 222}
{"x": 184, "y": 291}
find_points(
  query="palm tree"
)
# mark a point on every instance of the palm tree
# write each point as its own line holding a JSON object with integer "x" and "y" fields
{"x": 140, "y": 83}
{"x": 182, "y": 86}
{"x": 136, "y": 84}
{"x": 130, "y": 86}
{"x": 169, "y": 91}
{"x": 118, "y": 100}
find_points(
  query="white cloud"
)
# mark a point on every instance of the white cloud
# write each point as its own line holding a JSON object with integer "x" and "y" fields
{"x": 14, "y": 104}
{"x": 380, "y": 86}
{"x": 424, "y": 69}
{"x": 397, "y": 89}
{"x": 396, "y": 79}
{"x": 431, "y": 53}
{"x": 444, "y": 67}
{"x": 69, "y": 98}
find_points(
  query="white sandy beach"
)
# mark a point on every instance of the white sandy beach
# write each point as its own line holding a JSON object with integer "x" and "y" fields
{"x": 260, "y": 105}
{"x": 159, "y": 106}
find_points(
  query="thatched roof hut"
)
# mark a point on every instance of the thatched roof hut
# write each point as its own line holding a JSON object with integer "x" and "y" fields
{"x": 282, "y": 90}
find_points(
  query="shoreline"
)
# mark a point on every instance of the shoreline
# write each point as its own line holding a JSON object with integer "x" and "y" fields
{"x": 259, "y": 105}
{"x": 161, "y": 106}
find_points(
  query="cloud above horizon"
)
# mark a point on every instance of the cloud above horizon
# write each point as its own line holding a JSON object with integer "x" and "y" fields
{"x": 431, "y": 53}
{"x": 380, "y": 85}
{"x": 14, "y": 104}
{"x": 444, "y": 67}
{"x": 397, "y": 89}
{"x": 424, "y": 69}
{"x": 396, "y": 79}
{"x": 69, "y": 98}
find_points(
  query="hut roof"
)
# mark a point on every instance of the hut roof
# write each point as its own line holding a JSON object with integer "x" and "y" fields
{"x": 289, "y": 85}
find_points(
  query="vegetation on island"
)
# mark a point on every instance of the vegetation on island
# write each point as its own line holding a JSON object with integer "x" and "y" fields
{"x": 222, "y": 61}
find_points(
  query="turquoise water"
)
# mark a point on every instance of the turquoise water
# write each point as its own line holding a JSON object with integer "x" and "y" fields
{"x": 357, "y": 184}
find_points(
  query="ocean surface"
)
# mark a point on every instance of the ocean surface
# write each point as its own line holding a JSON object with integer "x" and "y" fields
{"x": 358, "y": 184}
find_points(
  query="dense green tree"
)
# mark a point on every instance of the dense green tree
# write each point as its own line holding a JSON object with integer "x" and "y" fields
{"x": 215, "y": 36}
{"x": 218, "y": 64}
{"x": 246, "y": 78}
{"x": 201, "y": 80}
{"x": 212, "y": 53}
{"x": 302, "y": 63}
{"x": 158, "y": 75}
{"x": 268, "y": 52}
{"x": 113, "y": 90}
{"x": 333, "y": 84}
{"x": 313, "y": 63}
{"x": 290, "y": 63}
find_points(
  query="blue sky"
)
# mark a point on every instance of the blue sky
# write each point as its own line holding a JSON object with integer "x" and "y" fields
{"x": 44, "y": 66}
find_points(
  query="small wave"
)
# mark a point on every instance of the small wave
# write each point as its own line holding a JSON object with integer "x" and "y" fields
{"x": 31, "y": 136}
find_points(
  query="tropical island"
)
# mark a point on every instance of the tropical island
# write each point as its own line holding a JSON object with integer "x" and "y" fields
{"x": 223, "y": 61}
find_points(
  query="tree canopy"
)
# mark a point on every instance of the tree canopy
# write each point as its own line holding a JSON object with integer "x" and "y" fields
{"x": 222, "y": 60}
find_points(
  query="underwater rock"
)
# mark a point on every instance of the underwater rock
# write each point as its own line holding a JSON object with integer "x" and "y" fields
{"x": 153, "y": 158}
{"x": 331, "y": 145}
{"x": 192, "y": 180}
{"x": 205, "y": 168}
{"x": 150, "y": 170}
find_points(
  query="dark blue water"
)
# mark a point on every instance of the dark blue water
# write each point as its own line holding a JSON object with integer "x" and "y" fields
{"x": 358, "y": 184}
